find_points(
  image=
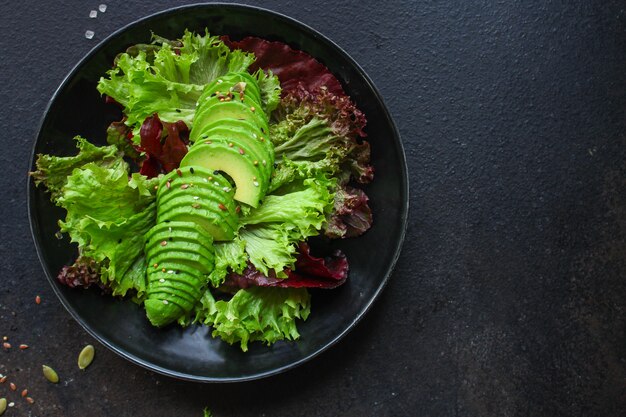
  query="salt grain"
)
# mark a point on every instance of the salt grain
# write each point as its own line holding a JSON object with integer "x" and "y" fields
{"x": 93, "y": 14}
{"x": 89, "y": 34}
{"x": 102, "y": 8}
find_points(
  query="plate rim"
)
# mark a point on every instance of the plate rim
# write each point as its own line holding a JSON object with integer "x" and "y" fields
{"x": 35, "y": 232}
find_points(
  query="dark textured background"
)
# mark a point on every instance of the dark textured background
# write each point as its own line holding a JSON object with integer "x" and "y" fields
{"x": 509, "y": 296}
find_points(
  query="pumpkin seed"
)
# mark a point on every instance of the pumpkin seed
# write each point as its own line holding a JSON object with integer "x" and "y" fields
{"x": 86, "y": 356}
{"x": 50, "y": 374}
{"x": 3, "y": 405}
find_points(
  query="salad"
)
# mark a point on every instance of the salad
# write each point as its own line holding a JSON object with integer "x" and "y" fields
{"x": 229, "y": 158}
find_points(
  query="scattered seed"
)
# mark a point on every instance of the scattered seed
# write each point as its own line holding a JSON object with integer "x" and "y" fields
{"x": 230, "y": 144}
{"x": 168, "y": 184}
{"x": 11, "y": 404}
{"x": 205, "y": 180}
{"x": 24, "y": 393}
{"x": 237, "y": 209}
{"x": 163, "y": 243}
{"x": 252, "y": 108}
{"x": 256, "y": 184}
{"x": 162, "y": 280}
{"x": 3, "y": 379}
{"x": 50, "y": 374}
{"x": 29, "y": 400}
{"x": 6, "y": 345}
{"x": 184, "y": 186}
{"x": 210, "y": 178}
{"x": 23, "y": 346}
{"x": 156, "y": 187}
{"x": 196, "y": 198}
{"x": 3, "y": 405}
{"x": 170, "y": 271}
{"x": 254, "y": 178}
{"x": 195, "y": 205}
{"x": 241, "y": 151}
{"x": 179, "y": 172}
{"x": 86, "y": 356}
{"x": 264, "y": 162}
{"x": 156, "y": 265}
{"x": 165, "y": 302}
{"x": 38, "y": 300}
{"x": 221, "y": 206}
{"x": 191, "y": 170}
{"x": 208, "y": 142}
{"x": 12, "y": 386}
{"x": 5, "y": 338}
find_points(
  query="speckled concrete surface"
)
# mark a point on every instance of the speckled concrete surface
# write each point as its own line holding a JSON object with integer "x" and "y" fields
{"x": 508, "y": 299}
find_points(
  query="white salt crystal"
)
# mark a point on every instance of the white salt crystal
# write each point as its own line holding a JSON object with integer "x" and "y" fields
{"x": 102, "y": 8}
{"x": 89, "y": 34}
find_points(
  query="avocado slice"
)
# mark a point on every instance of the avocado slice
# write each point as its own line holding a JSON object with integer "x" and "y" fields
{"x": 214, "y": 110}
{"x": 244, "y": 132}
{"x": 250, "y": 189}
{"x": 161, "y": 313}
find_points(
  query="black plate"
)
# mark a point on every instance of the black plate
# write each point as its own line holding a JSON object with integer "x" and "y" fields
{"x": 77, "y": 108}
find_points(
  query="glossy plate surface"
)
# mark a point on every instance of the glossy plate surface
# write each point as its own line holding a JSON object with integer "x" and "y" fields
{"x": 77, "y": 109}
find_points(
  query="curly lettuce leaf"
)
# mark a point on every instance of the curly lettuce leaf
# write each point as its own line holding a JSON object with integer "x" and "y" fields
{"x": 256, "y": 314}
{"x": 169, "y": 78}
{"x": 229, "y": 256}
{"x": 53, "y": 171}
{"x": 107, "y": 216}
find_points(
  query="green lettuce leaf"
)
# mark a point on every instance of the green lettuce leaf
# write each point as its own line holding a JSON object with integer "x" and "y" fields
{"x": 256, "y": 314}
{"x": 229, "y": 256}
{"x": 53, "y": 171}
{"x": 169, "y": 78}
{"x": 108, "y": 215}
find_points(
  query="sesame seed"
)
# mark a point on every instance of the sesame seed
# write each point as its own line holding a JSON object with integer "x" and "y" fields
{"x": 196, "y": 197}
{"x": 170, "y": 271}
{"x": 256, "y": 184}
{"x": 264, "y": 162}
{"x": 165, "y": 302}
{"x": 219, "y": 81}
{"x": 205, "y": 180}
{"x": 162, "y": 280}
{"x": 184, "y": 186}
{"x": 217, "y": 184}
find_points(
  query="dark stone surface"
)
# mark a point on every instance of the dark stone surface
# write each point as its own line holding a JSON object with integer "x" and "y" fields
{"x": 509, "y": 296}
